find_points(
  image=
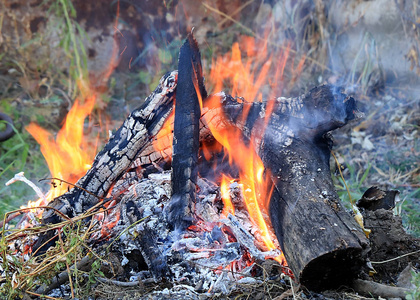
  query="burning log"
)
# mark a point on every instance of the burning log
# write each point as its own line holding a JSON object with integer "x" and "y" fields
{"x": 322, "y": 243}
{"x": 189, "y": 91}
{"x": 119, "y": 153}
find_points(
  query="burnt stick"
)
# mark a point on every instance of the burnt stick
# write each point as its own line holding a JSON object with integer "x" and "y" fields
{"x": 179, "y": 212}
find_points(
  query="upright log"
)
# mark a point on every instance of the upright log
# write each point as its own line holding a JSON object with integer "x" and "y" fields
{"x": 186, "y": 144}
{"x": 322, "y": 243}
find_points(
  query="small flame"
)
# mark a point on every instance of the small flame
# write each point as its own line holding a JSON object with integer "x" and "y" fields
{"x": 164, "y": 139}
{"x": 227, "y": 203}
{"x": 71, "y": 154}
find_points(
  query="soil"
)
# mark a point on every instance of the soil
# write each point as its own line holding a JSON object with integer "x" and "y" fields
{"x": 389, "y": 240}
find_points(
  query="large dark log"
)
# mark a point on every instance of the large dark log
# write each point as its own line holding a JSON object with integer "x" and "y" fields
{"x": 322, "y": 243}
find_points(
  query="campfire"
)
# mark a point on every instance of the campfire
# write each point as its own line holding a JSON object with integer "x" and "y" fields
{"x": 225, "y": 181}
{"x": 203, "y": 188}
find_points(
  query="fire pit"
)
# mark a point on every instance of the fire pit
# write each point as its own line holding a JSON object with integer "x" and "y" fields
{"x": 181, "y": 225}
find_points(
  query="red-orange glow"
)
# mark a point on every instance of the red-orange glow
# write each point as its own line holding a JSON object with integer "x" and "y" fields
{"x": 164, "y": 139}
{"x": 110, "y": 220}
{"x": 197, "y": 89}
{"x": 227, "y": 203}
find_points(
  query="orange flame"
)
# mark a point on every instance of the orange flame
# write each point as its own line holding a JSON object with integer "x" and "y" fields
{"x": 227, "y": 203}
{"x": 164, "y": 139}
{"x": 249, "y": 78}
{"x": 68, "y": 156}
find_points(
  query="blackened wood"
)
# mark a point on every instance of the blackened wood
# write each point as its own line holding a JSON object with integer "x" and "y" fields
{"x": 375, "y": 198}
{"x": 322, "y": 243}
{"x": 186, "y": 135}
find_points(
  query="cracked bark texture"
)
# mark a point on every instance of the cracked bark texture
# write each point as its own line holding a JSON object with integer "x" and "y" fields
{"x": 119, "y": 153}
{"x": 322, "y": 243}
{"x": 190, "y": 88}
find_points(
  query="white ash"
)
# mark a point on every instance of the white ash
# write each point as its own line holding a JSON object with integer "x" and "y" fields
{"x": 212, "y": 257}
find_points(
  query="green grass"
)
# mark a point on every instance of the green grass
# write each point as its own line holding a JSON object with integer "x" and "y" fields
{"x": 355, "y": 183}
{"x": 70, "y": 248}
{"x": 409, "y": 210}
{"x": 19, "y": 154}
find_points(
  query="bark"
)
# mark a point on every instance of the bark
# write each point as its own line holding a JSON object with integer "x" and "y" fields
{"x": 322, "y": 243}
{"x": 190, "y": 91}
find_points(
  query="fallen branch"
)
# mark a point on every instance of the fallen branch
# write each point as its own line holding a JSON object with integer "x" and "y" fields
{"x": 125, "y": 283}
{"x": 381, "y": 290}
{"x": 84, "y": 264}
{"x": 395, "y": 258}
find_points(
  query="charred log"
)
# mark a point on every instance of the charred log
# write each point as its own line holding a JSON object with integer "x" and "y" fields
{"x": 322, "y": 243}
{"x": 186, "y": 135}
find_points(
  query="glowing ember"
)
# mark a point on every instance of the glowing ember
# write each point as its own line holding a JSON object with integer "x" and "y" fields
{"x": 69, "y": 157}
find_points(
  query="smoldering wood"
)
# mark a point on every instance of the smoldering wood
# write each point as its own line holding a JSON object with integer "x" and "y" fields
{"x": 174, "y": 255}
{"x": 123, "y": 147}
{"x": 314, "y": 231}
{"x": 322, "y": 243}
{"x": 186, "y": 135}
